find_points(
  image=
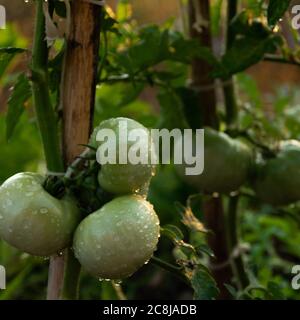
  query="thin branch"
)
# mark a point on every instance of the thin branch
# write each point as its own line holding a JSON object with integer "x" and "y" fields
{"x": 280, "y": 59}
{"x": 177, "y": 271}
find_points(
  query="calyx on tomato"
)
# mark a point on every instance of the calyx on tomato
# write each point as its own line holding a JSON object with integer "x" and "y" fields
{"x": 31, "y": 219}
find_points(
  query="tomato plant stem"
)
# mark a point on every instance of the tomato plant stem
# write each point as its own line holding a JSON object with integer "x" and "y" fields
{"x": 47, "y": 123}
{"x": 177, "y": 271}
{"x": 212, "y": 207}
{"x": 45, "y": 113}
{"x": 70, "y": 290}
{"x": 229, "y": 90}
{"x": 237, "y": 259}
{"x": 201, "y": 70}
{"x": 231, "y": 107}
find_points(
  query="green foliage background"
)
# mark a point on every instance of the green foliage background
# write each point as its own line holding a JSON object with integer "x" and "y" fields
{"x": 155, "y": 59}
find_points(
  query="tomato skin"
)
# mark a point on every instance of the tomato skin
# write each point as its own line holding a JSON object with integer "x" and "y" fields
{"x": 116, "y": 240}
{"x": 123, "y": 178}
{"x": 31, "y": 219}
{"x": 278, "y": 179}
{"x": 227, "y": 163}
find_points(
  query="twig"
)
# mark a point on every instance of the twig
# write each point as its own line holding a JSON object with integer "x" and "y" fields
{"x": 280, "y": 59}
{"x": 170, "y": 268}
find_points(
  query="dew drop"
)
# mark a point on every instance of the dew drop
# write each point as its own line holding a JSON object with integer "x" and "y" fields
{"x": 118, "y": 282}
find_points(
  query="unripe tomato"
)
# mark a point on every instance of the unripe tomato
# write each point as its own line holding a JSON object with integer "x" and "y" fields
{"x": 31, "y": 219}
{"x": 227, "y": 163}
{"x": 115, "y": 241}
{"x": 124, "y": 178}
{"x": 278, "y": 179}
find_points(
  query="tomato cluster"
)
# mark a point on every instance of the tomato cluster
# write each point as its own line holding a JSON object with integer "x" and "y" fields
{"x": 117, "y": 239}
{"x": 229, "y": 163}
{"x": 112, "y": 242}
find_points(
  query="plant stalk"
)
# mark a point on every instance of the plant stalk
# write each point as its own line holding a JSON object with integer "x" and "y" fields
{"x": 176, "y": 271}
{"x": 44, "y": 111}
{"x": 233, "y": 236}
{"x": 47, "y": 123}
{"x": 231, "y": 105}
{"x": 207, "y": 104}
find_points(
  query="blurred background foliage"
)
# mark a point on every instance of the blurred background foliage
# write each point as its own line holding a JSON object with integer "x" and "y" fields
{"x": 269, "y": 97}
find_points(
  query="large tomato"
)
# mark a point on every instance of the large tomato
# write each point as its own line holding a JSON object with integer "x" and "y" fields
{"x": 31, "y": 219}
{"x": 278, "y": 179}
{"x": 227, "y": 163}
{"x": 113, "y": 242}
{"x": 124, "y": 178}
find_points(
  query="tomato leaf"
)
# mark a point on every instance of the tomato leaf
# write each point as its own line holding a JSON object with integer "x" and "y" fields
{"x": 204, "y": 248}
{"x": 172, "y": 232}
{"x": 205, "y": 287}
{"x": 246, "y": 51}
{"x": 276, "y": 10}
{"x": 6, "y": 55}
{"x": 231, "y": 290}
{"x": 20, "y": 94}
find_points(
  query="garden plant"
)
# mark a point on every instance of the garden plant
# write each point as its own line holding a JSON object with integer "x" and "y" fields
{"x": 72, "y": 228}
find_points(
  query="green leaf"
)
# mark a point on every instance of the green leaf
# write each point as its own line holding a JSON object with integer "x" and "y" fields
{"x": 20, "y": 94}
{"x": 244, "y": 25}
{"x": 204, "y": 248}
{"x": 172, "y": 232}
{"x": 107, "y": 22}
{"x": 6, "y": 55}
{"x": 276, "y": 10}
{"x": 204, "y": 285}
{"x": 231, "y": 290}
{"x": 245, "y": 52}
{"x": 252, "y": 39}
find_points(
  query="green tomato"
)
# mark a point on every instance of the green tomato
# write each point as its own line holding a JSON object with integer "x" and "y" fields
{"x": 278, "y": 179}
{"x": 227, "y": 163}
{"x": 116, "y": 240}
{"x": 124, "y": 178}
{"x": 31, "y": 219}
